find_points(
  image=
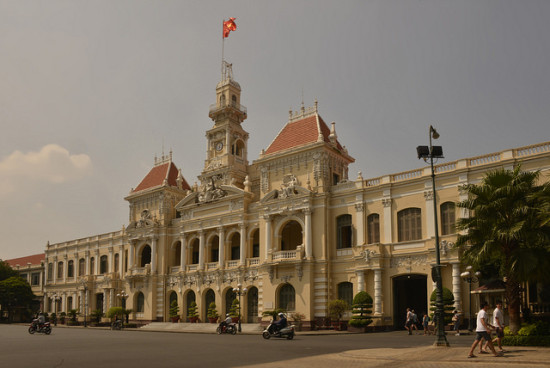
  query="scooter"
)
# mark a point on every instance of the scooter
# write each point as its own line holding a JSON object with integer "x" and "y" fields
{"x": 229, "y": 329}
{"x": 117, "y": 325}
{"x": 286, "y": 332}
{"x": 45, "y": 328}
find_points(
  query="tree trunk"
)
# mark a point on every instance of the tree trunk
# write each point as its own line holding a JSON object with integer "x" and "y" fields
{"x": 513, "y": 300}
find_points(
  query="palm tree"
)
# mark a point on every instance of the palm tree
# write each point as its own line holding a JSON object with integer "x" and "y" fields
{"x": 504, "y": 227}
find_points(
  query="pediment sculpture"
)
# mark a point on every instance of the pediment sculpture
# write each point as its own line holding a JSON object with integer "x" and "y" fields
{"x": 210, "y": 192}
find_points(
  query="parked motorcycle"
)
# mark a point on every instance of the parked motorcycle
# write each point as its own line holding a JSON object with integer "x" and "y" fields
{"x": 229, "y": 329}
{"x": 286, "y": 332}
{"x": 45, "y": 328}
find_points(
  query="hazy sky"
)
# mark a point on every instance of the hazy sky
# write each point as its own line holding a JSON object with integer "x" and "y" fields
{"x": 90, "y": 91}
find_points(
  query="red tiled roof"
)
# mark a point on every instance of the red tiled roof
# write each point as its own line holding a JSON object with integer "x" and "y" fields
{"x": 35, "y": 259}
{"x": 299, "y": 133}
{"x": 156, "y": 177}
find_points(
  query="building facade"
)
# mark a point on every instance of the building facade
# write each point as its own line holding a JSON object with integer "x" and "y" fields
{"x": 291, "y": 227}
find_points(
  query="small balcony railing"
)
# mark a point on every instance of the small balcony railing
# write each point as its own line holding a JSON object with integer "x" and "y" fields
{"x": 232, "y": 264}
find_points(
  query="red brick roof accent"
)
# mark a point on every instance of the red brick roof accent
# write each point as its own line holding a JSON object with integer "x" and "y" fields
{"x": 35, "y": 259}
{"x": 156, "y": 177}
{"x": 299, "y": 133}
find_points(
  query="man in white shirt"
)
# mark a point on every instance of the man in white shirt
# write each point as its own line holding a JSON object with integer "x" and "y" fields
{"x": 498, "y": 322}
{"x": 482, "y": 331}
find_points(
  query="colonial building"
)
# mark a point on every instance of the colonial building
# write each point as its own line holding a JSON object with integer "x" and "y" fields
{"x": 291, "y": 227}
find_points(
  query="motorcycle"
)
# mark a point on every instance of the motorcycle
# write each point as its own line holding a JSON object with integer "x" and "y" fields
{"x": 286, "y": 332}
{"x": 45, "y": 328}
{"x": 117, "y": 325}
{"x": 231, "y": 328}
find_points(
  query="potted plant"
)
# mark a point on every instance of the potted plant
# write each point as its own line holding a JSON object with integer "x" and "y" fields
{"x": 97, "y": 314}
{"x": 62, "y": 316}
{"x": 192, "y": 312}
{"x": 234, "y": 311}
{"x": 53, "y": 318}
{"x": 212, "y": 313}
{"x": 336, "y": 309}
{"x": 174, "y": 311}
{"x": 72, "y": 314}
{"x": 298, "y": 318}
{"x": 362, "y": 304}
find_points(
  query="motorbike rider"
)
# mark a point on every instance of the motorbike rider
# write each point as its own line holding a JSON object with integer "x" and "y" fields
{"x": 281, "y": 323}
{"x": 41, "y": 321}
{"x": 226, "y": 322}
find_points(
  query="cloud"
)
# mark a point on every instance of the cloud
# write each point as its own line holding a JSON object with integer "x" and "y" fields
{"x": 52, "y": 164}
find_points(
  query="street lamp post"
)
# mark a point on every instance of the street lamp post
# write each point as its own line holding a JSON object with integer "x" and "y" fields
{"x": 84, "y": 284}
{"x": 432, "y": 152}
{"x": 56, "y": 298}
{"x": 239, "y": 290}
{"x": 470, "y": 277}
{"x": 123, "y": 296}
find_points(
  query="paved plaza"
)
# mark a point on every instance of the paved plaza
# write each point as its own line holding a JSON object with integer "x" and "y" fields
{"x": 164, "y": 345}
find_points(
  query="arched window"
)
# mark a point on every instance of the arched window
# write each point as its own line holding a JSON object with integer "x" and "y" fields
{"x": 256, "y": 243}
{"x": 209, "y": 297}
{"x": 173, "y": 296}
{"x": 145, "y": 256}
{"x": 117, "y": 262}
{"x": 287, "y": 298}
{"x": 234, "y": 100}
{"x": 50, "y": 271}
{"x": 252, "y": 304}
{"x": 373, "y": 228}
{"x": 190, "y": 298}
{"x": 195, "y": 252}
{"x": 177, "y": 254}
{"x": 343, "y": 231}
{"x": 103, "y": 265}
{"x": 447, "y": 218}
{"x": 222, "y": 100}
{"x": 229, "y": 297}
{"x": 60, "y": 270}
{"x": 236, "y": 246}
{"x": 409, "y": 224}
{"x": 140, "y": 303}
{"x": 81, "y": 267}
{"x": 291, "y": 236}
{"x": 215, "y": 249}
{"x": 70, "y": 269}
{"x": 345, "y": 292}
{"x": 69, "y": 303}
{"x": 92, "y": 266}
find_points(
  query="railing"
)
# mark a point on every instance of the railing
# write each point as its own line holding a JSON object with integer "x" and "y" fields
{"x": 215, "y": 107}
{"x": 175, "y": 269}
{"x": 285, "y": 254}
{"x": 533, "y": 150}
{"x": 407, "y": 175}
{"x": 482, "y": 160}
{"x": 253, "y": 261}
{"x": 192, "y": 267}
{"x": 539, "y": 308}
{"x": 139, "y": 271}
{"x": 212, "y": 265}
{"x": 232, "y": 264}
{"x": 373, "y": 182}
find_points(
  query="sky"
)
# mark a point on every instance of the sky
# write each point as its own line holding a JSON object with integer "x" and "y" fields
{"x": 91, "y": 91}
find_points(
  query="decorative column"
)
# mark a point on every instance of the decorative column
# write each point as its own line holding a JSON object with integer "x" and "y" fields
{"x": 111, "y": 297}
{"x": 96, "y": 262}
{"x": 360, "y": 223}
{"x": 201, "y": 250}
{"x": 55, "y": 270}
{"x": 183, "y": 253}
{"x": 131, "y": 255}
{"x": 360, "y": 280}
{"x": 121, "y": 261}
{"x": 64, "y": 303}
{"x": 267, "y": 219}
{"x": 87, "y": 262}
{"x": 65, "y": 268}
{"x": 243, "y": 245}
{"x": 429, "y": 212}
{"x": 46, "y": 305}
{"x": 456, "y": 286}
{"x": 154, "y": 255}
{"x": 111, "y": 260}
{"x": 104, "y": 301}
{"x": 221, "y": 247}
{"x": 81, "y": 304}
{"x": 309, "y": 242}
{"x": 378, "y": 292}
{"x": 387, "y": 220}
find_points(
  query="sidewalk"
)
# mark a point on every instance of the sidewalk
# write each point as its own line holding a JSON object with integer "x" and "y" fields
{"x": 421, "y": 357}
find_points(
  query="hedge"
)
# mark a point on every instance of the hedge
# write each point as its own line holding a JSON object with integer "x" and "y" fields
{"x": 517, "y": 340}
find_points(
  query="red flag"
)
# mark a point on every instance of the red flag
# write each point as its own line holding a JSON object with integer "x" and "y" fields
{"x": 229, "y": 26}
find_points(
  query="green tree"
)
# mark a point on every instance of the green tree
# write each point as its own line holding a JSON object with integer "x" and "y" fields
{"x": 506, "y": 227}
{"x": 6, "y": 271}
{"x": 448, "y": 305}
{"x": 14, "y": 292}
{"x": 362, "y": 308}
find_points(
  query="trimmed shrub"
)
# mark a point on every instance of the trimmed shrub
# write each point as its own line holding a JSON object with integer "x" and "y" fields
{"x": 361, "y": 310}
{"x": 448, "y": 305}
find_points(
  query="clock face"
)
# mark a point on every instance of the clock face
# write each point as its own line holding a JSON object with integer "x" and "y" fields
{"x": 219, "y": 146}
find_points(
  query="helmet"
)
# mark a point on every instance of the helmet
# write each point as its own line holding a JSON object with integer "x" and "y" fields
{"x": 227, "y": 315}
{"x": 281, "y": 315}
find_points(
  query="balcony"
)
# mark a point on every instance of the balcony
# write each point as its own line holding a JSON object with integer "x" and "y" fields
{"x": 232, "y": 264}
{"x": 214, "y": 108}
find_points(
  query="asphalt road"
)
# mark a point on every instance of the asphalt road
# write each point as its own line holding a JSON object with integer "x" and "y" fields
{"x": 78, "y": 347}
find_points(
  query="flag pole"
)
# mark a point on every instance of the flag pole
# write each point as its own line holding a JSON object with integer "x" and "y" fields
{"x": 223, "y": 44}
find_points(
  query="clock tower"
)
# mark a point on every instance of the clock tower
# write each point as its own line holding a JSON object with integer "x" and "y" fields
{"x": 226, "y": 157}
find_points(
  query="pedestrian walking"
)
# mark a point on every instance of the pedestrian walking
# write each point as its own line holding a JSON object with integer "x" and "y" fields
{"x": 408, "y": 321}
{"x": 456, "y": 321}
{"x": 414, "y": 317}
{"x": 482, "y": 331}
{"x": 498, "y": 322}
{"x": 425, "y": 324}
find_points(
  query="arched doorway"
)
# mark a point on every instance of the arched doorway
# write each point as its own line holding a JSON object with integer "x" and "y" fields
{"x": 287, "y": 298}
{"x": 209, "y": 297}
{"x": 409, "y": 291}
{"x": 252, "y": 305}
{"x": 189, "y": 298}
{"x": 173, "y": 297}
{"x": 229, "y": 297}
